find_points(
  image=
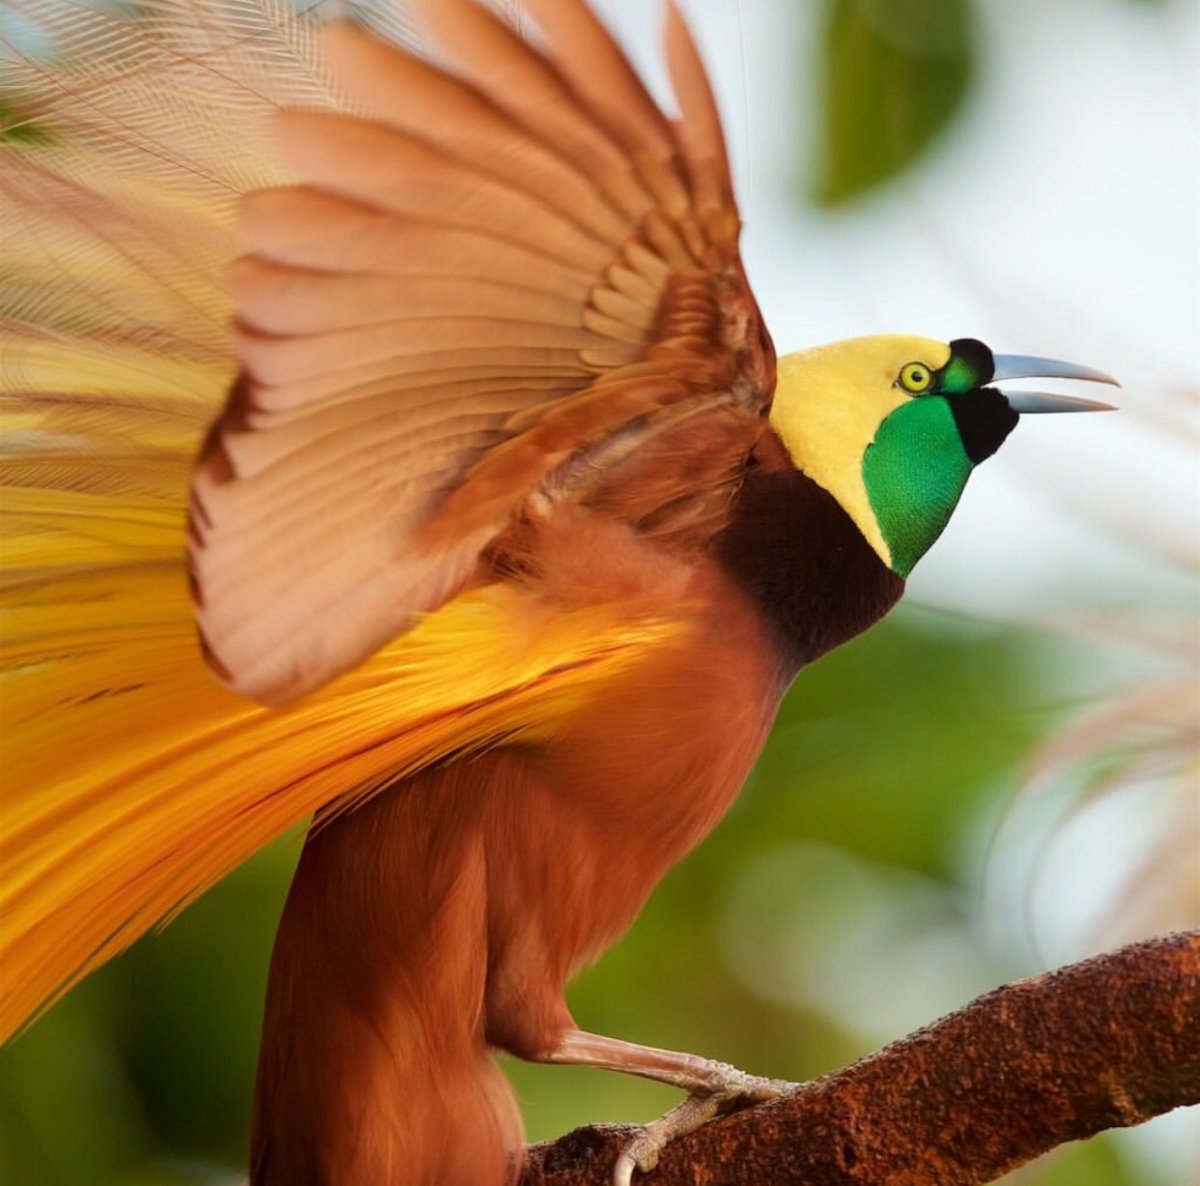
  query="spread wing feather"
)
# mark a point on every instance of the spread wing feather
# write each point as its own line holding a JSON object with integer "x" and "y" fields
{"x": 482, "y": 273}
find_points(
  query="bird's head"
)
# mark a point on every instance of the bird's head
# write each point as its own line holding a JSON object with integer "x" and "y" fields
{"x": 893, "y": 425}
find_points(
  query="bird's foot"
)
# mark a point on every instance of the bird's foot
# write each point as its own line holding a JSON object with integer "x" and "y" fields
{"x": 730, "y": 1089}
{"x": 713, "y": 1088}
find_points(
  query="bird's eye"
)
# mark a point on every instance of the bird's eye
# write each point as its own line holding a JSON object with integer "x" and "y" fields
{"x": 915, "y": 377}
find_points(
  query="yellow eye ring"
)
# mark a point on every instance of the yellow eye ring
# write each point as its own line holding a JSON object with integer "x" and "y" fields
{"x": 915, "y": 377}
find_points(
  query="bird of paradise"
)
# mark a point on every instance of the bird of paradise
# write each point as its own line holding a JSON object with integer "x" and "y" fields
{"x": 503, "y": 542}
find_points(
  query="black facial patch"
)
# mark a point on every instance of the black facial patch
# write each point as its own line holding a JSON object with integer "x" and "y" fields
{"x": 984, "y": 418}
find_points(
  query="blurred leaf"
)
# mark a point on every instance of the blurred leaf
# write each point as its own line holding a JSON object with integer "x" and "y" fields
{"x": 1082, "y": 1163}
{"x": 17, "y": 128}
{"x": 199, "y": 988}
{"x": 65, "y": 1076}
{"x": 884, "y": 747}
{"x": 893, "y": 74}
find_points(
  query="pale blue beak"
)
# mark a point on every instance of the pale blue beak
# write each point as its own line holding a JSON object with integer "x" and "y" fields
{"x": 1025, "y": 366}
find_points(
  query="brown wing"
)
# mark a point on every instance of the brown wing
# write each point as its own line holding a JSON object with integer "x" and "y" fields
{"x": 482, "y": 278}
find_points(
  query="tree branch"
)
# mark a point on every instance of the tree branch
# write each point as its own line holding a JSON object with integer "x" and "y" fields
{"x": 1106, "y": 1043}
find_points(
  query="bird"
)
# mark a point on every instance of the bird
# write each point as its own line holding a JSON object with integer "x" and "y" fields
{"x": 472, "y": 520}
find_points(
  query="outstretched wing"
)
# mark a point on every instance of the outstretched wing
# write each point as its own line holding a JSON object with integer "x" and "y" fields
{"x": 484, "y": 274}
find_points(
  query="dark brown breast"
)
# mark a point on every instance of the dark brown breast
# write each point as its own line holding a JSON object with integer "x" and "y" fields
{"x": 801, "y": 560}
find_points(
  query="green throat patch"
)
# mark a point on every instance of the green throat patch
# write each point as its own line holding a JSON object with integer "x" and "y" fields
{"x": 915, "y": 472}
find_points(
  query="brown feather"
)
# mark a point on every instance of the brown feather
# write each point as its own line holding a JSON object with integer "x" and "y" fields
{"x": 597, "y": 72}
{"x": 457, "y": 304}
{"x": 411, "y": 96}
{"x": 311, "y": 229}
{"x": 401, "y": 174}
{"x": 526, "y": 87}
{"x": 273, "y": 299}
{"x": 701, "y": 139}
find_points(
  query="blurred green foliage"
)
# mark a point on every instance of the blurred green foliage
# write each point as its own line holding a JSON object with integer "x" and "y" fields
{"x": 18, "y": 128}
{"x": 892, "y": 74}
{"x": 892, "y": 77}
{"x": 886, "y": 751}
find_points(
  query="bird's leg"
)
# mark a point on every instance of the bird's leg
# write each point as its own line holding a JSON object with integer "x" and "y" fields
{"x": 695, "y": 1075}
{"x": 712, "y": 1087}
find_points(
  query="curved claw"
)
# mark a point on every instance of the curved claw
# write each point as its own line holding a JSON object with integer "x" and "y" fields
{"x": 643, "y": 1151}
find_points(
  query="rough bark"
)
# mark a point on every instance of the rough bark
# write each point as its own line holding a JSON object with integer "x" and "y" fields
{"x": 1106, "y": 1043}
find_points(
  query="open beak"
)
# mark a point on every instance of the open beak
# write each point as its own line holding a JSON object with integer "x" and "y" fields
{"x": 1024, "y": 366}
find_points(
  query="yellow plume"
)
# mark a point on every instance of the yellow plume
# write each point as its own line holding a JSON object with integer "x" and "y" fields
{"x": 132, "y": 781}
